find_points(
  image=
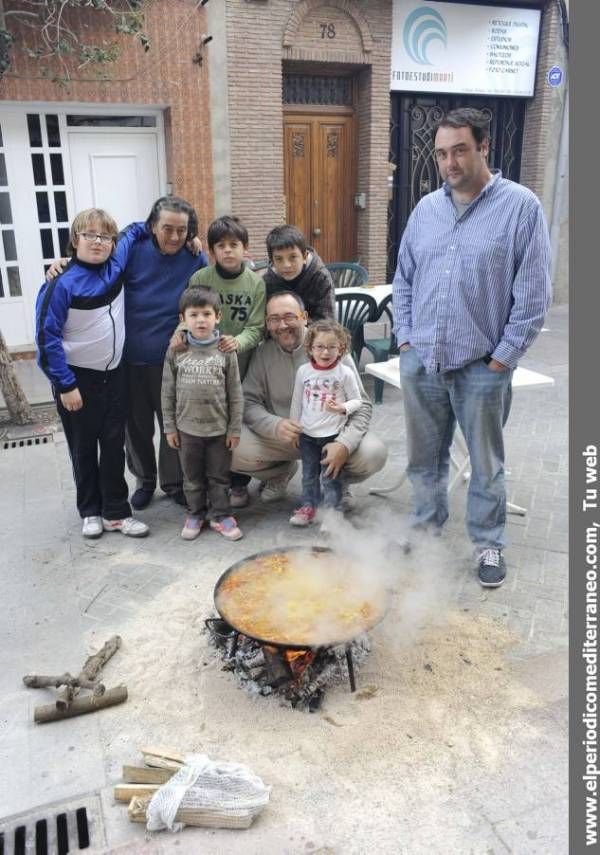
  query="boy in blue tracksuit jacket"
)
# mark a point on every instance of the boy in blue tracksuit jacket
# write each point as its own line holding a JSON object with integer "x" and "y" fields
{"x": 80, "y": 333}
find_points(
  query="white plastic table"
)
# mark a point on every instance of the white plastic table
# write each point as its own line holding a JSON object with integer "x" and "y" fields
{"x": 389, "y": 372}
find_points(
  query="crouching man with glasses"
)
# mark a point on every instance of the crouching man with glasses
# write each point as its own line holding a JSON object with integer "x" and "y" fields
{"x": 268, "y": 444}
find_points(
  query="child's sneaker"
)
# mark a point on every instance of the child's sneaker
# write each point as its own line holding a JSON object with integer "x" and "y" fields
{"x": 303, "y": 516}
{"x": 92, "y": 527}
{"x": 228, "y": 527}
{"x": 192, "y": 527}
{"x": 129, "y": 526}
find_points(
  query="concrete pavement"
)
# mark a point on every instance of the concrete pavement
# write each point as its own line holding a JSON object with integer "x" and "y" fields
{"x": 463, "y": 745}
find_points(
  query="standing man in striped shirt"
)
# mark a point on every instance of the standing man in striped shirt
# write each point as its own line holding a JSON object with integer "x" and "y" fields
{"x": 471, "y": 290}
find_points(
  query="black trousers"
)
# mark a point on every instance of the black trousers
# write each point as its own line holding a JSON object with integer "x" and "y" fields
{"x": 144, "y": 385}
{"x": 206, "y": 461}
{"x": 95, "y": 436}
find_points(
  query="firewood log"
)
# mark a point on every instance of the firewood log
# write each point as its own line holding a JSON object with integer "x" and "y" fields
{"x": 144, "y": 775}
{"x": 80, "y": 705}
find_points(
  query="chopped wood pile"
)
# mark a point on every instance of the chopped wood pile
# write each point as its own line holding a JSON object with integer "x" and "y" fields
{"x": 224, "y": 795}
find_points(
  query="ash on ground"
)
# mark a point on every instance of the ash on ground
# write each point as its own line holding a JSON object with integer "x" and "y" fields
{"x": 299, "y": 677}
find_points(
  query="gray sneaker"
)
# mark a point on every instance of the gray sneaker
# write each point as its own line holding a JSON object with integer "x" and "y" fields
{"x": 491, "y": 567}
{"x": 348, "y": 500}
{"x": 238, "y": 497}
{"x": 275, "y": 489}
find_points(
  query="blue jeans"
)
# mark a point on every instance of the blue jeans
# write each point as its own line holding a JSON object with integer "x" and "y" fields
{"x": 479, "y": 399}
{"x": 313, "y": 476}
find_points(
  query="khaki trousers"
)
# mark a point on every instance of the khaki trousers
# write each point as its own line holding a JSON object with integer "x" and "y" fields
{"x": 264, "y": 458}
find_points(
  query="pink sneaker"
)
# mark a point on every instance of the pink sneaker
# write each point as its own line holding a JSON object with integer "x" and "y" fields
{"x": 228, "y": 527}
{"x": 303, "y": 516}
{"x": 192, "y": 527}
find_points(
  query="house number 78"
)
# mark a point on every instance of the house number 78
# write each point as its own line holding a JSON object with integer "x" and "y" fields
{"x": 327, "y": 31}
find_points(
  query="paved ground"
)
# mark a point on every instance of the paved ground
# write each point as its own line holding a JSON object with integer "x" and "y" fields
{"x": 61, "y": 596}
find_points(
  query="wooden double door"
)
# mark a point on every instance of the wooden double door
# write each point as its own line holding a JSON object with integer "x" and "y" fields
{"x": 320, "y": 181}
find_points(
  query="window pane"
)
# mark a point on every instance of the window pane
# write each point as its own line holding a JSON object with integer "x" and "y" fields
{"x": 3, "y": 178}
{"x": 56, "y": 165}
{"x": 14, "y": 282}
{"x": 63, "y": 240}
{"x": 53, "y": 131}
{"x": 47, "y": 243}
{"x": 10, "y": 247}
{"x": 43, "y": 207}
{"x": 60, "y": 203}
{"x": 1, "y": 285}
{"x": 5, "y": 209}
{"x": 39, "y": 169}
{"x": 35, "y": 130}
{"x": 112, "y": 121}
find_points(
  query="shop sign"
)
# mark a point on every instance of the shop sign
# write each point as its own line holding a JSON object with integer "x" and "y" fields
{"x": 464, "y": 49}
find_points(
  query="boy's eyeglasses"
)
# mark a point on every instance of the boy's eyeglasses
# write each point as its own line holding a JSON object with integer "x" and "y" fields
{"x": 92, "y": 237}
{"x": 288, "y": 318}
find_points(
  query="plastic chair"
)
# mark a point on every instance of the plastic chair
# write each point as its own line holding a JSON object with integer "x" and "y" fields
{"x": 353, "y": 312}
{"x": 346, "y": 274}
{"x": 383, "y": 348}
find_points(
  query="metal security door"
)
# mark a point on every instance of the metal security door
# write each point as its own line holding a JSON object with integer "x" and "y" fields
{"x": 411, "y": 150}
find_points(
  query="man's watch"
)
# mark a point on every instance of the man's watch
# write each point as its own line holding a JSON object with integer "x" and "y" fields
{"x": 487, "y": 359}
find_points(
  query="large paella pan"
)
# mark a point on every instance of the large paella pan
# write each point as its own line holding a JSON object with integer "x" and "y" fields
{"x": 300, "y": 597}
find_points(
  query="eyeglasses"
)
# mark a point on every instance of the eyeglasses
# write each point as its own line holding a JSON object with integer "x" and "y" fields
{"x": 321, "y": 347}
{"x": 288, "y": 318}
{"x": 92, "y": 237}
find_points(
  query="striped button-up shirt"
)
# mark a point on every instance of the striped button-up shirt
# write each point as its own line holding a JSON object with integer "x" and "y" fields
{"x": 473, "y": 285}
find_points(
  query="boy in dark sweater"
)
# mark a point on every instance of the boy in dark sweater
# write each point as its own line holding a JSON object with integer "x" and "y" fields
{"x": 296, "y": 267}
{"x": 202, "y": 408}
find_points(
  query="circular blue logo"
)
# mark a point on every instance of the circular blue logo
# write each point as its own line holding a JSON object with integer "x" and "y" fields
{"x": 422, "y": 26}
{"x": 555, "y": 76}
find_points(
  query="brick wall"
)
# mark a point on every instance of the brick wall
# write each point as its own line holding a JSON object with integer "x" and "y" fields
{"x": 540, "y": 169}
{"x": 539, "y": 138}
{"x": 254, "y": 33}
{"x": 259, "y": 37}
{"x": 163, "y": 77}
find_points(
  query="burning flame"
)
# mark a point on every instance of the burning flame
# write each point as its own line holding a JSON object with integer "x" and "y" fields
{"x": 298, "y": 660}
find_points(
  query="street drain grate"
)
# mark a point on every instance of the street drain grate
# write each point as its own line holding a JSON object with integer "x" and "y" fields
{"x": 26, "y": 442}
{"x": 53, "y": 830}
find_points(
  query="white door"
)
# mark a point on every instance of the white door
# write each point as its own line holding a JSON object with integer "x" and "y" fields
{"x": 115, "y": 171}
{"x": 52, "y": 167}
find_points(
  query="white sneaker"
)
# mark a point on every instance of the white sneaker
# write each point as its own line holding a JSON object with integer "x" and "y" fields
{"x": 238, "y": 497}
{"x": 92, "y": 527}
{"x": 129, "y": 526}
{"x": 275, "y": 489}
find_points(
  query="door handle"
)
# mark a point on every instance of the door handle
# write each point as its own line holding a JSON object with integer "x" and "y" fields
{"x": 316, "y": 232}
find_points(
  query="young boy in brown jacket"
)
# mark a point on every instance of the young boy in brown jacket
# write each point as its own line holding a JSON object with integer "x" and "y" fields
{"x": 202, "y": 407}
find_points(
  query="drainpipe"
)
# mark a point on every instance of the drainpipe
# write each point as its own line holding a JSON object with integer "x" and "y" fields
{"x": 560, "y": 183}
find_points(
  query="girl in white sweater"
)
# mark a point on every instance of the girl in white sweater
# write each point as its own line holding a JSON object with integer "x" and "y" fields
{"x": 326, "y": 392}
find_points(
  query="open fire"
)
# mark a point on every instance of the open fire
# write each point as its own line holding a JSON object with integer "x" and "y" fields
{"x": 298, "y": 676}
{"x": 294, "y": 620}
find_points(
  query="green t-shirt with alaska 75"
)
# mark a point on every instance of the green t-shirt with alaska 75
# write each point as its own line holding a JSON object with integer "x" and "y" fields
{"x": 243, "y": 307}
